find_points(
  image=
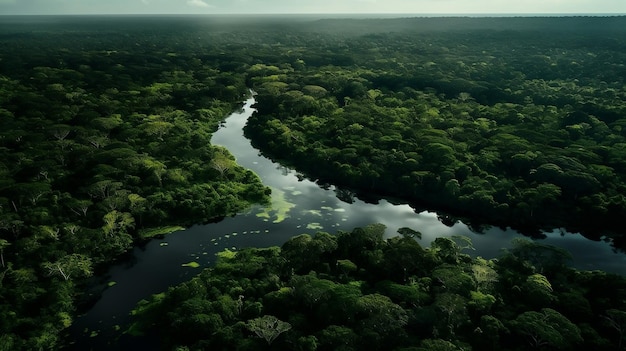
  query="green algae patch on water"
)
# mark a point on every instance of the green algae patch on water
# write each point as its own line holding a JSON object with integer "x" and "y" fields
{"x": 313, "y": 212}
{"x": 279, "y": 208}
{"x": 314, "y": 225}
{"x": 192, "y": 264}
{"x": 159, "y": 231}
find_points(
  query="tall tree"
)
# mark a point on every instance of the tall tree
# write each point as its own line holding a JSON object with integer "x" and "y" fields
{"x": 3, "y": 245}
{"x": 268, "y": 327}
{"x": 73, "y": 265}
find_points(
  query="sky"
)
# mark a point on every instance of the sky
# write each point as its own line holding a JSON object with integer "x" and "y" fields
{"x": 71, "y": 7}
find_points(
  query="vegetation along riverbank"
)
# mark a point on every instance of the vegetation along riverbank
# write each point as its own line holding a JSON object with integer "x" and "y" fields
{"x": 105, "y": 126}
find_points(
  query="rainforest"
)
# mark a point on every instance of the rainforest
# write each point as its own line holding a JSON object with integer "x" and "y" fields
{"x": 517, "y": 122}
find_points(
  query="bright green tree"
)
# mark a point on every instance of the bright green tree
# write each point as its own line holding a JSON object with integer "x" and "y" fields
{"x": 69, "y": 266}
{"x": 268, "y": 327}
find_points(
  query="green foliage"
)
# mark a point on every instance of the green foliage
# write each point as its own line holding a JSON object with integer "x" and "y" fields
{"x": 409, "y": 233}
{"x": 500, "y": 126}
{"x": 489, "y": 332}
{"x": 256, "y": 298}
{"x": 160, "y": 231}
{"x": 336, "y": 337}
{"x": 481, "y": 302}
{"x": 484, "y": 275}
{"x": 96, "y": 150}
{"x": 70, "y": 266}
{"x": 268, "y": 327}
{"x": 99, "y": 146}
{"x": 346, "y": 266}
{"x": 616, "y": 319}
{"x": 437, "y": 345}
{"x": 452, "y": 278}
{"x": 380, "y": 314}
{"x": 547, "y": 328}
{"x": 537, "y": 290}
{"x": 448, "y": 250}
{"x": 303, "y": 251}
{"x": 542, "y": 257}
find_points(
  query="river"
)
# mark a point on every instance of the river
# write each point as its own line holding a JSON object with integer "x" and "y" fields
{"x": 298, "y": 206}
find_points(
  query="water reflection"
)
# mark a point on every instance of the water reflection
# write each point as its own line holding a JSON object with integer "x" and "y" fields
{"x": 160, "y": 263}
{"x": 488, "y": 241}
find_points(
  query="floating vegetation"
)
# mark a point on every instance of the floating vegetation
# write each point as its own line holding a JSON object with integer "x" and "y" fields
{"x": 111, "y": 283}
{"x": 313, "y": 212}
{"x": 163, "y": 244}
{"x": 93, "y": 334}
{"x": 331, "y": 209}
{"x": 315, "y": 226}
{"x": 279, "y": 208}
{"x": 192, "y": 264}
{"x": 153, "y": 232}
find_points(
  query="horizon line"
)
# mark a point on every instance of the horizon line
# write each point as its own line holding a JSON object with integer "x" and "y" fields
{"x": 427, "y": 14}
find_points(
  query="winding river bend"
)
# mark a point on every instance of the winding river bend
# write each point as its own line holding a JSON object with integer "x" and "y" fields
{"x": 298, "y": 206}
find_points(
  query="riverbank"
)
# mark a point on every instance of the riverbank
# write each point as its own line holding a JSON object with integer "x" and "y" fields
{"x": 160, "y": 263}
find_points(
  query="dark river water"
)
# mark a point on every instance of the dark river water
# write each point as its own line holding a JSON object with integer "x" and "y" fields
{"x": 298, "y": 206}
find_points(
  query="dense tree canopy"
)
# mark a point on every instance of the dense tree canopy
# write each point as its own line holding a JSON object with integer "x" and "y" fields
{"x": 102, "y": 142}
{"x": 510, "y": 127}
{"x": 105, "y": 128}
{"x": 353, "y": 295}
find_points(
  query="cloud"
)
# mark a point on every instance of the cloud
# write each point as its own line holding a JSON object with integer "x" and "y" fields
{"x": 198, "y": 3}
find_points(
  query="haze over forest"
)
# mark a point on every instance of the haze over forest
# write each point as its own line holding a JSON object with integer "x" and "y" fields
{"x": 74, "y": 7}
{"x": 106, "y": 127}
